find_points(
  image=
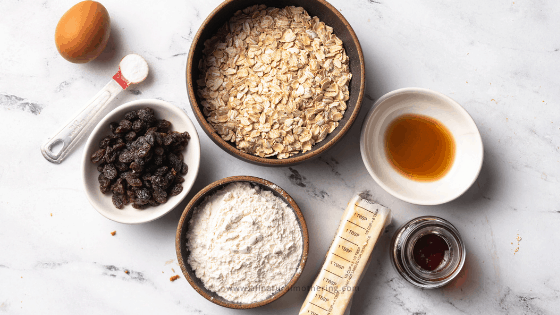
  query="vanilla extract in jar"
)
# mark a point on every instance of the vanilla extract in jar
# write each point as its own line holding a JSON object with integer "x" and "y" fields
{"x": 428, "y": 252}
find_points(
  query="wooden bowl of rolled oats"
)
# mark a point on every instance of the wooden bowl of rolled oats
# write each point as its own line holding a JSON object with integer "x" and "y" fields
{"x": 275, "y": 82}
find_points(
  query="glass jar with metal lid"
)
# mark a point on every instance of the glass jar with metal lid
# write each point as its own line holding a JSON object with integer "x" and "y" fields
{"x": 422, "y": 239}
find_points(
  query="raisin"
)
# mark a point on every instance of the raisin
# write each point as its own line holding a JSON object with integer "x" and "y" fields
{"x": 135, "y": 167}
{"x": 119, "y": 146}
{"x": 176, "y": 189}
{"x": 103, "y": 181}
{"x": 161, "y": 171}
{"x": 113, "y": 126}
{"x": 169, "y": 178}
{"x": 160, "y": 195}
{"x": 126, "y": 157}
{"x": 159, "y": 181}
{"x": 159, "y": 151}
{"x": 142, "y": 196}
{"x": 123, "y": 167}
{"x": 150, "y": 138}
{"x": 110, "y": 171}
{"x": 131, "y": 115}
{"x": 118, "y": 187}
{"x": 163, "y": 125}
{"x": 147, "y": 115}
{"x": 138, "y": 125}
{"x": 98, "y": 155}
{"x": 130, "y": 136}
{"x": 179, "y": 180}
{"x": 105, "y": 142}
{"x": 100, "y": 167}
{"x": 138, "y": 206}
{"x": 119, "y": 201}
{"x": 168, "y": 139}
{"x": 110, "y": 155}
{"x": 143, "y": 150}
{"x": 184, "y": 169}
{"x": 134, "y": 181}
{"x": 175, "y": 161}
{"x": 124, "y": 126}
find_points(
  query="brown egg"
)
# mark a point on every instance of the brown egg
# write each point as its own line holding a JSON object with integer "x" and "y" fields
{"x": 83, "y": 31}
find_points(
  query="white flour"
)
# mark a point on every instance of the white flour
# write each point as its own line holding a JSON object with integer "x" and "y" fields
{"x": 245, "y": 243}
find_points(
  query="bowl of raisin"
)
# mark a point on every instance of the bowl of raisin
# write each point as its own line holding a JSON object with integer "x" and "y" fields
{"x": 140, "y": 161}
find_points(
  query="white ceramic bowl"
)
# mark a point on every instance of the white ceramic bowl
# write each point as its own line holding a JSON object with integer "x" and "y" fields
{"x": 103, "y": 202}
{"x": 468, "y": 155}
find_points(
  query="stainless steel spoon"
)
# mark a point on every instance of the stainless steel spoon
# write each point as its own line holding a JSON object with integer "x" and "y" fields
{"x": 133, "y": 69}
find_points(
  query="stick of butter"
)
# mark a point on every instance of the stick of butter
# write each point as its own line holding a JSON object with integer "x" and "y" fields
{"x": 347, "y": 259}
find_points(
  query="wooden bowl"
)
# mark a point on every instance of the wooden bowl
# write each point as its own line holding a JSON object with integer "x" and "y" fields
{"x": 183, "y": 253}
{"x": 326, "y": 13}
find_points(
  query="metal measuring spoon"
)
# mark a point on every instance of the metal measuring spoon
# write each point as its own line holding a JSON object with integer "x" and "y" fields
{"x": 133, "y": 69}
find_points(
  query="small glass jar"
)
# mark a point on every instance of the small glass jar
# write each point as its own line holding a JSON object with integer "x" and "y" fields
{"x": 402, "y": 256}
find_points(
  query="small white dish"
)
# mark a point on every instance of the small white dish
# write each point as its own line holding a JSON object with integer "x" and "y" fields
{"x": 103, "y": 202}
{"x": 468, "y": 155}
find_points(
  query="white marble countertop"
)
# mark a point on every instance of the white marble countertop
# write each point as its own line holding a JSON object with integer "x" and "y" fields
{"x": 499, "y": 59}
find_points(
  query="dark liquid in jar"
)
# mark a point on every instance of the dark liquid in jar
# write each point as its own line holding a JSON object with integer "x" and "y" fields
{"x": 419, "y": 147}
{"x": 429, "y": 251}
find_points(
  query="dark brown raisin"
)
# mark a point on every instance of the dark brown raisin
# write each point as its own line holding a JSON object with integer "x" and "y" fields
{"x": 118, "y": 187}
{"x": 163, "y": 125}
{"x": 100, "y": 167}
{"x": 113, "y": 126}
{"x": 131, "y": 115}
{"x": 130, "y": 136}
{"x": 160, "y": 195}
{"x": 98, "y": 155}
{"x": 135, "y": 167}
{"x": 184, "y": 169}
{"x": 159, "y": 181}
{"x": 176, "y": 189}
{"x": 161, "y": 171}
{"x": 124, "y": 126}
{"x": 175, "y": 161}
{"x": 105, "y": 142}
{"x": 126, "y": 157}
{"x": 143, "y": 150}
{"x": 134, "y": 181}
{"x": 110, "y": 155}
{"x": 168, "y": 139}
{"x": 179, "y": 179}
{"x": 119, "y": 201}
{"x": 119, "y": 146}
{"x": 123, "y": 167}
{"x": 141, "y": 196}
{"x": 138, "y": 125}
{"x": 138, "y": 206}
{"x": 110, "y": 171}
{"x": 147, "y": 115}
{"x": 159, "y": 151}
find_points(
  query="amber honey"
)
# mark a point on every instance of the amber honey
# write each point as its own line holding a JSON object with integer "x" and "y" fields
{"x": 419, "y": 147}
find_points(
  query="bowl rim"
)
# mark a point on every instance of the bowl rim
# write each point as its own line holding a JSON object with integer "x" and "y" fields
{"x": 193, "y": 142}
{"x": 230, "y": 148}
{"x": 456, "y": 106}
{"x": 203, "y": 193}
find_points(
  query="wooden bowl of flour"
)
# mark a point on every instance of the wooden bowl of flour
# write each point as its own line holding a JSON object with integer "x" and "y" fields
{"x": 183, "y": 251}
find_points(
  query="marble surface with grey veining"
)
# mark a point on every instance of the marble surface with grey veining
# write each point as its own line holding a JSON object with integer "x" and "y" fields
{"x": 499, "y": 59}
